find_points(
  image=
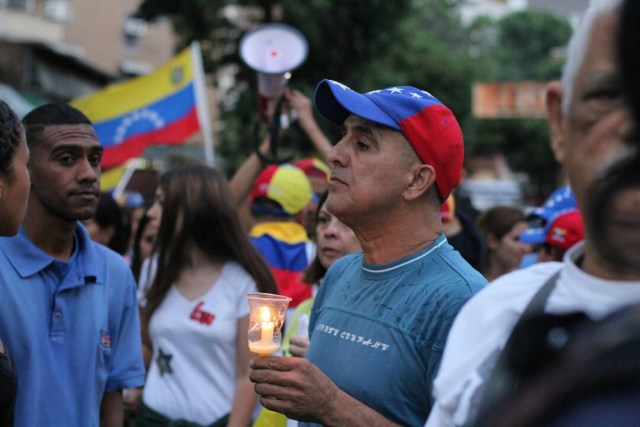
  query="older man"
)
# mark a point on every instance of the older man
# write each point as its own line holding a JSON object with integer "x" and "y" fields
{"x": 589, "y": 129}
{"x": 381, "y": 317}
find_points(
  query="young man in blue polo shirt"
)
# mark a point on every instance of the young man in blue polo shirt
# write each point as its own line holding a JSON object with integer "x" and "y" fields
{"x": 69, "y": 315}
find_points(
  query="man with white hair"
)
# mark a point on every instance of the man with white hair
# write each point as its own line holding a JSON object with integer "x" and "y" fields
{"x": 590, "y": 129}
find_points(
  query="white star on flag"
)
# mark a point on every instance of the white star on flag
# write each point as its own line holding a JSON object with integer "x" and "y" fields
{"x": 416, "y": 95}
{"x": 395, "y": 90}
{"x": 145, "y": 114}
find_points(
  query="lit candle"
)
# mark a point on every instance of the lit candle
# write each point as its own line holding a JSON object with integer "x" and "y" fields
{"x": 266, "y": 318}
{"x": 267, "y": 326}
{"x": 266, "y": 345}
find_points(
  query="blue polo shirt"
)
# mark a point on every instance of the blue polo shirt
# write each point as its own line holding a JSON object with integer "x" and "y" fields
{"x": 72, "y": 329}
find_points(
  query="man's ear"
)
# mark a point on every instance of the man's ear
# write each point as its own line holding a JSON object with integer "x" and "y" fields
{"x": 421, "y": 178}
{"x": 555, "y": 116}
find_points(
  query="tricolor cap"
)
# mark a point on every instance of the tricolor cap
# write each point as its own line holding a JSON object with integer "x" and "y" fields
{"x": 313, "y": 167}
{"x": 285, "y": 184}
{"x": 563, "y": 230}
{"x": 561, "y": 199}
{"x": 428, "y": 124}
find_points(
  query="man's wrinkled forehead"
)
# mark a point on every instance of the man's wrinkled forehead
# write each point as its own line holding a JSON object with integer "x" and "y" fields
{"x": 367, "y": 127}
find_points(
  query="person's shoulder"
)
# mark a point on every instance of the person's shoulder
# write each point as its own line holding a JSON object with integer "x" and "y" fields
{"x": 344, "y": 263}
{"x": 107, "y": 256}
{"x": 527, "y": 277}
{"x": 455, "y": 265}
{"x": 514, "y": 290}
{"x": 234, "y": 272}
{"x": 234, "y": 267}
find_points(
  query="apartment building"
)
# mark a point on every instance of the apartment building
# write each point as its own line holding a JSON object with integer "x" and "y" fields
{"x": 62, "y": 49}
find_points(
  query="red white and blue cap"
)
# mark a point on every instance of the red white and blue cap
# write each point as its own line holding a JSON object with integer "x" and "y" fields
{"x": 428, "y": 124}
{"x": 561, "y": 199}
{"x": 564, "y": 229}
{"x": 557, "y": 222}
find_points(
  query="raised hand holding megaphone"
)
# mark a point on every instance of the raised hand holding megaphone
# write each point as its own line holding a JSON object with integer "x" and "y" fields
{"x": 273, "y": 50}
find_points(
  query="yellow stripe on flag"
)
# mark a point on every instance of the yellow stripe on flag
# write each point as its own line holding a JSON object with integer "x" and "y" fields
{"x": 268, "y": 418}
{"x": 110, "y": 179}
{"x": 120, "y": 98}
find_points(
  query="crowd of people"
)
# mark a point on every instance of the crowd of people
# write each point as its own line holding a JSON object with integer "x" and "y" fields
{"x": 406, "y": 309}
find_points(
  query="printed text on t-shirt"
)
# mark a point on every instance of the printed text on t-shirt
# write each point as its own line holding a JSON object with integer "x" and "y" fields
{"x": 348, "y": 336}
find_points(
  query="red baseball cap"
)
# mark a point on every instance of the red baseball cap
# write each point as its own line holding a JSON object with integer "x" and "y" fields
{"x": 565, "y": 230}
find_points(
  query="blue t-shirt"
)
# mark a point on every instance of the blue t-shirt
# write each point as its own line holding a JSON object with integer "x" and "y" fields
{"x": 378, "y": 331}
{"x": 72, "y": 329}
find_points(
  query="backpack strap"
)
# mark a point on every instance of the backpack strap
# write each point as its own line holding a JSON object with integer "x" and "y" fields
{"x": 500, "y": 382}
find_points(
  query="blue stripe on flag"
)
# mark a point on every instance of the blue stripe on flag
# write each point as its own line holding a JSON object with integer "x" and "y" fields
{"x": 149, "y": 118}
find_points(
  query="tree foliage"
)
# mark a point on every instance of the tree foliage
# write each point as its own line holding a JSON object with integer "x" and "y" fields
{"x": 370, "y": 44}
{"x": 520, "y": 47}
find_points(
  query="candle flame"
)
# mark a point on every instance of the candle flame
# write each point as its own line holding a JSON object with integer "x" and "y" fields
{"x": 265, "y": 314}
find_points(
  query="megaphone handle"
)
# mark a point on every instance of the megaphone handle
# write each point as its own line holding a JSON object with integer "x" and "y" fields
{"x": 274, "y": 128}
{"x": 274, "y": 131}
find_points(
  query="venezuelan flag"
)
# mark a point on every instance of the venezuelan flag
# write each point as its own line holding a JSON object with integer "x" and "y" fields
{"x": 159, "y": 108}
{"x": 284, "y": 245}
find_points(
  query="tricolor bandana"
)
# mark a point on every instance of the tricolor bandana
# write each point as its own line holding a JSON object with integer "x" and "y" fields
{"x": 428, "y": 124}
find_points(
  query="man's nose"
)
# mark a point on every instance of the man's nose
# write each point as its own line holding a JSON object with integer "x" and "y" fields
{"x": 89, "y": 172}
{"x": 336, "y": 154}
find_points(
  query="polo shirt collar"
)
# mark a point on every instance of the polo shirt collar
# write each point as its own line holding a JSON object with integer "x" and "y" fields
{"x": 28, "y": 259}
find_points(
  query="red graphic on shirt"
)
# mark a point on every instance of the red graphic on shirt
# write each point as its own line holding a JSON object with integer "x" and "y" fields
{"x": 202, "y": 316}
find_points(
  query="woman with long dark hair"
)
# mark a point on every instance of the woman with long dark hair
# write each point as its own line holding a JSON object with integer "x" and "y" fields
{"x": 14, "y": 192}
{"x": 196, "y": 315}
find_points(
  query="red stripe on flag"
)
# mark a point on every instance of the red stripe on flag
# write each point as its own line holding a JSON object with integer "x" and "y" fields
{"x": 174, "y": 133}
{"x": 289, "y": 284}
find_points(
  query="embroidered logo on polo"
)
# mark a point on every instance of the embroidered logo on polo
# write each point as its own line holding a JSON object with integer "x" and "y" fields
{"x": 105, "y": 340}
{"x": 202, "y": 316}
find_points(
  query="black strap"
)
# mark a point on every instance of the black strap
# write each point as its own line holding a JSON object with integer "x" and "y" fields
{"x": 274, "y": 133}
{"x": 500, "y": 383}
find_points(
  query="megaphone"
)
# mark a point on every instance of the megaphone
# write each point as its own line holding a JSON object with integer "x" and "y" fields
{"x": 273, "y": 50}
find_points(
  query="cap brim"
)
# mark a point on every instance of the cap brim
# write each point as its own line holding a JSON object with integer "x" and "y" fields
{"x": 335, "y": 102}
{"x": 533, "y": 236}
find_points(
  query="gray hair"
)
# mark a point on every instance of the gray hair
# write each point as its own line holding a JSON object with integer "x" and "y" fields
{"x": 579, "y": 44}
